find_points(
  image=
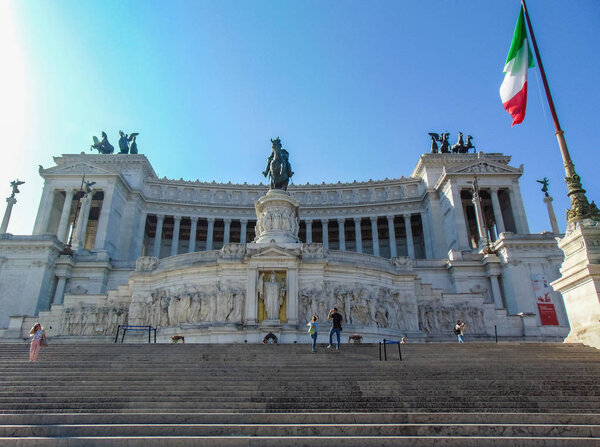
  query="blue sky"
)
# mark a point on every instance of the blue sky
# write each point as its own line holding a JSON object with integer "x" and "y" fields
{"x": 351, "y": 87}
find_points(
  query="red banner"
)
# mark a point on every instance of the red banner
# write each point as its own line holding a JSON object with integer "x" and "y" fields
{"x": 547, "y": 314}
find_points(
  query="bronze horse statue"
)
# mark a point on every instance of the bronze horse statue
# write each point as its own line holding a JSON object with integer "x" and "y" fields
{"x": 278, "y": 167}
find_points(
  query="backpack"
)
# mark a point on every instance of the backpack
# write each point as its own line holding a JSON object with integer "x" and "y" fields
{"x": 456, "y": 331}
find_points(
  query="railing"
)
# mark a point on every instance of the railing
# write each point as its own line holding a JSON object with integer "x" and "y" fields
{"x": 385, "y": 343}
{"x": 126, "y": 328}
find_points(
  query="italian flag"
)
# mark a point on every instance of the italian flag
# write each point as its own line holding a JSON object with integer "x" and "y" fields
{"x": 513, "y": 90}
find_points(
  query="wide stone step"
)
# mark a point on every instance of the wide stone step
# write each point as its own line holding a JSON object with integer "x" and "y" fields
{"x": 301, "y": 441}
{"x": 337, "y": 430}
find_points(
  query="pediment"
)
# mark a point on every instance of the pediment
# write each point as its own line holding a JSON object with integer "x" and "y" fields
{"x": 484, "y": 167}
{"x": 79, "y": 168}
{"x": 272, "y": 251}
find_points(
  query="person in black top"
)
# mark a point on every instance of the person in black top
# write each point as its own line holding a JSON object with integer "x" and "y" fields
{"x": 336, "y": 326}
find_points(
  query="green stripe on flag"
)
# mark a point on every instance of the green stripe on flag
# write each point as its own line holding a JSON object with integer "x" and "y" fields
{"x": 517, "y": 42}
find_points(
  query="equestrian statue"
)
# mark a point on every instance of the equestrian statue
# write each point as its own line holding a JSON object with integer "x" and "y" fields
{"x": 278, "y": 167}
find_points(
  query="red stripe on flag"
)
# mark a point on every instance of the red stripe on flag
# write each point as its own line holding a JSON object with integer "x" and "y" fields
{"x": 517, "y": 105}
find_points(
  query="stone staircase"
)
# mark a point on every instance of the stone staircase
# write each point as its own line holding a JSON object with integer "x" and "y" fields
{"x": 283, "y": 395}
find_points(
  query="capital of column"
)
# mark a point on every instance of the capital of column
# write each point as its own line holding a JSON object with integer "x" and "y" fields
{"x": 177, "y": 218}
{"x": 341, "y": 221}
{"x": 390, "y": 218}
{"x": 11, "y": 200}
{"x": 373, "y": 218}
{"x": 244, "y": 221}
{"x": 324, "y": 221}
{"x": 357, "y": 220}
{"x": 211, "y": 220}
{"x": 227, "y": 221}
{"x": 160, "y": 216}
{"x": 194, "y": 219}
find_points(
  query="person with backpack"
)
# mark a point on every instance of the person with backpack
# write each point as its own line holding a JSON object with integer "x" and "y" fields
{"x": 336, "y": 326}
{"x": 312, "y": 330}
{"x": 459, "y": 329}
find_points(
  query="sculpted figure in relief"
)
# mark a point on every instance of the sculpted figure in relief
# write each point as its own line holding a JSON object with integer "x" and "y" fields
{"x": 272, "y": 298}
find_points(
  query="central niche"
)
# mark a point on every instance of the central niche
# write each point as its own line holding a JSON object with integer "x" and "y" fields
{"x": 272, "y": 296}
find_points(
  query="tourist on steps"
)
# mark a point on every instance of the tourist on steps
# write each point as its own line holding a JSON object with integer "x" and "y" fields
{"x": 312, "y": 330}
{"x": 38, "y": 333}
{"x": 459, "y": 330}
{"x": 336, "y": 326}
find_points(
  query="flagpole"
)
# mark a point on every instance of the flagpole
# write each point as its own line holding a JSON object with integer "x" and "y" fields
{"x": 580, "y": 207}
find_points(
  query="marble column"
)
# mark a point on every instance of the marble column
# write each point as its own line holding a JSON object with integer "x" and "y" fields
{"x": 325, "y": 226}
{"x": 480, "y": 218}
{"x": 410, "y": 245}
{"x": 341, "y": 234}
{"x": 497, "y": 212}
{"x": 175, "y": 240}
{"x": 551, "y": 215}
{"x": 43, "y": 215}
{"x": 59, "y": 293}
{"x": 496, "y": 292}
{"x": 392, "y": 231}
{"x": 102, "y": 233}
{"x": 516, "y": 204}
{"x": 139, "y": 242}
{"x": 64, "y": 217}
{"x": 374, "y": 236}
{"x": 227, "y": 231}
{"x": 193, "y": 230}
{"x": 459, "y": 218}
{"x": 308, "y": 231}
{"x": 426, "y": 235}
{"x": 158, "y": 236}
{"x": 10, "y": 201}
{"x": 243, "y": 230}
{"x": 358, "y": 235}
{"x": 209, "y": 233}
{"x": 80, "y": 230}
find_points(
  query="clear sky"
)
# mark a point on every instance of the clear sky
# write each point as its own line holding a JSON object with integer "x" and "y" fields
{"x": 351, "y": 87}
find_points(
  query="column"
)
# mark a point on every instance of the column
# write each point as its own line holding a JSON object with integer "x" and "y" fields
{"x": 209, "y": 233}
{"x": 43, "y": 215}
{"x": 392, "y": 231}
{"x": 10, "y": 202}
{"x": 227, "y": 231}
{"x": 59, "y": 294}
{"x": 139, "y": 242}
{"x": 193, "y": 230}
{"x": 480, "y": 220}
{"x": 64, "y": 216}
{"x": 82, "y": 220}
{"x": 551, "y": 215}
{"x": 251, "y": 296}
{"x": 496, "y": 292}
{"x": 374, "y": 236}
{"x": 341, "y": 234}
{"x": 426, "y": 235}
{"x": 459, "y": 217}
{"x": 358, "y": 234}
{"x": 292, "y": 296}
{"x": 158, "y": 236}
{"x": 325, "y": 224}
{"x": 243, "y": 230}
{"x": 102, "y": 232}
{"x": 308, "y": 231}
{"x": 516, "y": 204}
{"x": 410, "y": 245}
{"x": 175, "y": 240}
{"x": 497, "y": 212}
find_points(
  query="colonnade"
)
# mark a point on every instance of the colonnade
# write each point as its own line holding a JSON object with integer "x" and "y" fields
{"x": 159, "y": 247}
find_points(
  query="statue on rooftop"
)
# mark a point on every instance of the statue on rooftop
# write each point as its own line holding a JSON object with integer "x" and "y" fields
{"x": 124, "y": 143}
{"x": 278, "y": 167}
{"x": 459, "y": 147}
{"x": 469, "y": 145}
{"x": 102, "y": 146}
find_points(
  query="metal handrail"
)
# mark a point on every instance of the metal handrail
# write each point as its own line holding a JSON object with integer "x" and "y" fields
{"x": 389, "y": 342}
{"x": 127, "y": 327}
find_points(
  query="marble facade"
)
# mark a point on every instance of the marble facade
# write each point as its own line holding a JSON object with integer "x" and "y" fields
{"x": 230, "y": 263}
